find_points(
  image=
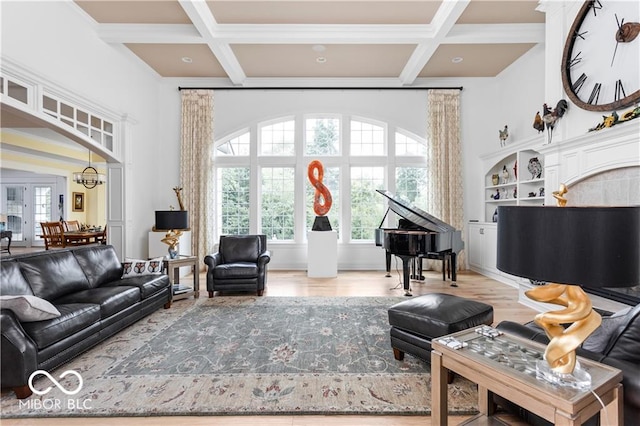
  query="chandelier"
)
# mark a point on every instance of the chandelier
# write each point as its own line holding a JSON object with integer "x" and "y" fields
{"x": 89, "y": 177}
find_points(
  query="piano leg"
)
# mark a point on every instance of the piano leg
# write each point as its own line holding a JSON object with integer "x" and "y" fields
{"x": 453, "y": 270}
{"x": 416, "y": 269}
{"x": 387, "y": 255}
{"x": 406, "y": 266}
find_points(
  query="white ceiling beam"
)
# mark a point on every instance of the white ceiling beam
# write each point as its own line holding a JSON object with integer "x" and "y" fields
{"x": 205, "y": 23}
{"x": 495, "y": 33}
{"x": 149, "y": 33}
{"x": 330, "y": 34}
{"x": 320, "y": 33}
{"x": 443, "y": 21}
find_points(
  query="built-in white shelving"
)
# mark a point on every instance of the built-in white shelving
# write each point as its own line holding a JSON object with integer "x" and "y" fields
{"x": 508, "y": 180}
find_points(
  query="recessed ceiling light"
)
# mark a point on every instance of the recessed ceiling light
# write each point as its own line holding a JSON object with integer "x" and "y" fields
{"x": 321, "y": 59}
{"x": 456, "y": 60}
{"x": 187, "y": 60}
{"x": 319, "y": 48}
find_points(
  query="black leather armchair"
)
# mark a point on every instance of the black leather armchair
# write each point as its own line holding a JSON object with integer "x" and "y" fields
{"x": 239, "y": 265}
{"x": 616, "y": 343}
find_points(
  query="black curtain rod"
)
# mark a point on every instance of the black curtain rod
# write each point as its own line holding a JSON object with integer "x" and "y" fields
{"x": 316, "y": 88}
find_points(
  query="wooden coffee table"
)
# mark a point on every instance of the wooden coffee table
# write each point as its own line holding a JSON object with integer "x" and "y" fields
{"x": 490, "y": 363}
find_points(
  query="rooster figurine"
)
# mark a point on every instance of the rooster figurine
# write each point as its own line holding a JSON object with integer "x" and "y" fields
{"x": 504, "y": 134}
{"x": 551, "y": 116}
{"x": 538, "y": 124}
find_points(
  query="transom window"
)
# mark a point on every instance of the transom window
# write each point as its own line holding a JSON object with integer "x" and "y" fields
{"x": 239, "y": 145}
{"x": 266, "y": 190}
{"x": 322, "y": 136}
{"x": 367, "y": 139}
{"x": 278, "y": 138}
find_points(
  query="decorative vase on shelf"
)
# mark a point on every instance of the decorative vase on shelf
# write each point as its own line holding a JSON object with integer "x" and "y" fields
{"x": 535, "y": 168}
{"x": 505, "y": 174}
{"x": 495, "y": 179}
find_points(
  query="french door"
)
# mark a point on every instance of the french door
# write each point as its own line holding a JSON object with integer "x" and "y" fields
{"x": 26, "y": 205}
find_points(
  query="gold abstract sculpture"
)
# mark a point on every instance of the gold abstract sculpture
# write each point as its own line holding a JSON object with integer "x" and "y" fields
{"x": 172, "y": 237}
{"x": 560, "y": 353}
{"x": 559, "y": 195}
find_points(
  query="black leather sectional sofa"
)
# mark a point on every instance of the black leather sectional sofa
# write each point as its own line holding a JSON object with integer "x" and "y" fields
{"x": 86, "y": 287}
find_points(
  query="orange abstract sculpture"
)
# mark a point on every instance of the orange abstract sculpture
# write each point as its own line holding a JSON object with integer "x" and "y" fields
{"x": 322, "y": 199}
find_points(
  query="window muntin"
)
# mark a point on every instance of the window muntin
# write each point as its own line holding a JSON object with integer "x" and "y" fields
{"x": 279, "y": 185}
{"x": 278, "y": 138}
{"x": 331, "y": 180}
{"x": 367, "y": 206}
{"x": 322, "y": 136}
{"x": 367, "y": 139}
{"x": 411, "y": 184}
{"x": 406, "y": 145}
{"x": 277, "y": 204}
{"x": 233, "y": 193}
{"x": 237, "y": 146}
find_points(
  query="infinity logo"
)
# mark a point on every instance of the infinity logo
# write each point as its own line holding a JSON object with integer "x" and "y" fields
{"x": 55, "y": 382}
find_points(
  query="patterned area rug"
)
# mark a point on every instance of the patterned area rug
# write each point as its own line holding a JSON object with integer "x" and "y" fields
{"x": 248, "y": 355}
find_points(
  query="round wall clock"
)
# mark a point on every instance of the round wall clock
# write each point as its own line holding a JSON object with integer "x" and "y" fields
{"x": 601, "y": 58}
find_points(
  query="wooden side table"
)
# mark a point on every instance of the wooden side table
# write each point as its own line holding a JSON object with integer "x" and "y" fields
{"x": 172, "y": 268}
{"x": 499, "y": 366}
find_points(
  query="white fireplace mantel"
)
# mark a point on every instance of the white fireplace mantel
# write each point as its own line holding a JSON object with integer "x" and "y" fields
{"x": 572, "y": 160}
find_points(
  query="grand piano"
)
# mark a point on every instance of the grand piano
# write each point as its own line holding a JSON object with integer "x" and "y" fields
{"x": 419, "y": 235}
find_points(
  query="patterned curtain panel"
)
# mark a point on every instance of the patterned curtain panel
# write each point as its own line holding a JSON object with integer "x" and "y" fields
{"x": 444, "y": 162}
{"x": 196, "y": 168}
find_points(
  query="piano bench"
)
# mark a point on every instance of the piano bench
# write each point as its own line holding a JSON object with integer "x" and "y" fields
{"x": 415, "y": 322}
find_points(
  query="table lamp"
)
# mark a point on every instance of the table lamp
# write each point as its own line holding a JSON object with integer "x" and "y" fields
{"x": 174, "y": 222}
{"x": 569, "y": 248}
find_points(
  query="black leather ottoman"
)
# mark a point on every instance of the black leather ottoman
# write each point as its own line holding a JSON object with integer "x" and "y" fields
{"x": 415, "y": 322}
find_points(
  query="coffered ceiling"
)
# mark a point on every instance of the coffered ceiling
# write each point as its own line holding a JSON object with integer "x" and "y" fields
{"x": 321, "y": 42}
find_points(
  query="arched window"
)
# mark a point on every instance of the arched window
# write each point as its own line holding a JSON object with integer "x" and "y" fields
{"x": 266, "y": 190}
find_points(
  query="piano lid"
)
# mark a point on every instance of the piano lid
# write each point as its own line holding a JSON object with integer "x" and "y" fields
{"x": 415, "y": 215}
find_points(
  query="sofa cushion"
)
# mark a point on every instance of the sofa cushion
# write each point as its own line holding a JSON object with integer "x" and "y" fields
{"x": 240, "y": 248}
{"x": 53, "y": 275}
{"x": 100, "y": 264}
{"x": 237, "y": 270}
{"x": 73, "y": 318}
{"x": 110, "y": 299}
{"x": 148, "y": 285}
{"x": 625, "y": 344}
{"x": 599, "y": 339}
{"x": 139, "y": 267}
{"x": 13, "y": 282}
{"x": 29, "y": 308}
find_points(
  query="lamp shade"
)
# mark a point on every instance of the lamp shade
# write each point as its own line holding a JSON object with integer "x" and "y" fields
{"x": 172, "y": 219}
{"x": 586, "y": 246}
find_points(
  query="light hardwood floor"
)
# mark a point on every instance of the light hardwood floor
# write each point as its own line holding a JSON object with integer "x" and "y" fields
{"x": 503, "y": 298}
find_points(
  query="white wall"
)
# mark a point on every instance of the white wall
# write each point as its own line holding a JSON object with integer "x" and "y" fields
{"x": 54, "y": 41}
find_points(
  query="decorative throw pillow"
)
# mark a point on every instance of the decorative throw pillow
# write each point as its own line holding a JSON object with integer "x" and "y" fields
{"x": 29, "y": 308}
{"x": 139, "y": 267}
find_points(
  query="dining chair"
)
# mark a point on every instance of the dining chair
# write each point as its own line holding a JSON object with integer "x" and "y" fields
{"x": 102, "y": 239}
{"x": 71, "y": 225}
{"x": 53, "y": 234}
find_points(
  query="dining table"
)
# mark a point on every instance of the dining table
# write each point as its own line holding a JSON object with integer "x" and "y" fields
{"x": 83, "y": 237}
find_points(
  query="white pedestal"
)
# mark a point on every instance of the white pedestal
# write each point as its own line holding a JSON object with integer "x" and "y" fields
{"x": 322, "y": 254}
{"x": 159, "y": 249}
